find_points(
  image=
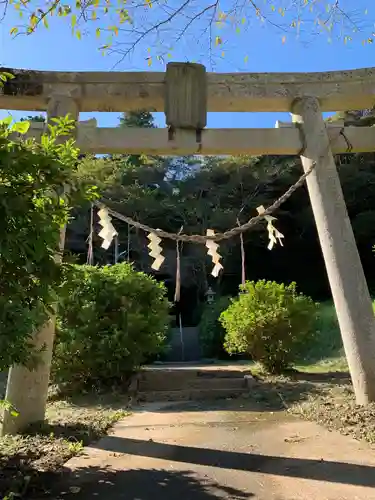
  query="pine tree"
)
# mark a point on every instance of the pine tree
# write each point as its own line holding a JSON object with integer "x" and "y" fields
{"x": 140, "y": 118}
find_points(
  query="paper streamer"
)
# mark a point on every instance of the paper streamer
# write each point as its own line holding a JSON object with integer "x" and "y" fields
{"x": 273, "y": 234}
{"x": 213, "y": 253}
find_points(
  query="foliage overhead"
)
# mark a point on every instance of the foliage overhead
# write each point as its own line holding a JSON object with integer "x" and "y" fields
{"x": 269, "y": 321}
{"x": 37, "y": 191}
{"x": 199, "y": 193}
{"x": 162, "y": 26}
{"x": 110, "y": 319}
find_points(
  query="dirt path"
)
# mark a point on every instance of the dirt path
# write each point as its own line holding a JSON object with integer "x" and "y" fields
{"x": 221, "y": 451}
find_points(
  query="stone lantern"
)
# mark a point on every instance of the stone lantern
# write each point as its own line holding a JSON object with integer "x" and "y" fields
{"x": 210, "y": 296}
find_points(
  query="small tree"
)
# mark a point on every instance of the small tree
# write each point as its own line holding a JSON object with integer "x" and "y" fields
{"x": 269, "y": 321}
{"x": 36, "y": 193}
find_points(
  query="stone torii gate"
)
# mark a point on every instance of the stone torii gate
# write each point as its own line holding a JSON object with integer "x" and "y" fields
{"x": 185, "y": 93}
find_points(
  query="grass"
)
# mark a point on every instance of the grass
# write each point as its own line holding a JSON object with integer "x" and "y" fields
{"x": 325, "y": 348}
{"x": 325, "y": 352}
{"x": 334, "y": 364}
{"x": 27, "y": 461}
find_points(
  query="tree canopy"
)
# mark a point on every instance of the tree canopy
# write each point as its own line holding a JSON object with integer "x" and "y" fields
{"x": 161, "y": 26}
{"x": 199, "y": 193}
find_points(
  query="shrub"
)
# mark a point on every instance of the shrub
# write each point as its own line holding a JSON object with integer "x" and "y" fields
{"x": 110, "y": 319}
{"x": 211, "y": 331}
{"x": 34, "y": 208}
{"x": 269, "y": 321}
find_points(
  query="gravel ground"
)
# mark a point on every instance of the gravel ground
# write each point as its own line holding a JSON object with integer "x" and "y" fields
{"x": 335, "y": 408}
{"x": 28, "y": 463}
{"x": 328, "y": 399}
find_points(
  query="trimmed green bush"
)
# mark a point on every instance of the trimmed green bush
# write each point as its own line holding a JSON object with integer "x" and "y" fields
{"x": 110, "y": 320}
{"x": 269, "y": 321}
{"x": 211, "y": 331}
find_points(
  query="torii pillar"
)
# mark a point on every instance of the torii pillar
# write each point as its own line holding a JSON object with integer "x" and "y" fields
{"x": 346, "y": 277}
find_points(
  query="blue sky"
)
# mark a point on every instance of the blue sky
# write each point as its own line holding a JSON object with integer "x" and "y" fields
{"x": 258, "y": 48}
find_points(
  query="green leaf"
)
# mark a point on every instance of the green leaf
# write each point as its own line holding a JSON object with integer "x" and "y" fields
{"x": 33, "y": 21}
{"x": 114, "y": 29}
{"x": 6, "y": 121}
{"x": 21, "y": 127}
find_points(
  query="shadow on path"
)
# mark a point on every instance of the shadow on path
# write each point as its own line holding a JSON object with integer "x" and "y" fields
{"x": 320, "y": 470}
{"x": 143, "y": 484}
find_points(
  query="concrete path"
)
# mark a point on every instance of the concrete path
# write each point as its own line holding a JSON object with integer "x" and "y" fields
{"x": 222, "y": 450}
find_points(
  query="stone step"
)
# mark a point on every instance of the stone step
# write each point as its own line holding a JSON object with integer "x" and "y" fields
{"x": 227, "y": 374}
{"x": 174, "y": 384}
{"x": 196, "y": 372}
{"x": 158, "y": 376}
{"x": 189, "y": 395}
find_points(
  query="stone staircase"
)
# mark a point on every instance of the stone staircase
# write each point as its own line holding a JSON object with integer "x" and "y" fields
{"x": 191, "y": 383}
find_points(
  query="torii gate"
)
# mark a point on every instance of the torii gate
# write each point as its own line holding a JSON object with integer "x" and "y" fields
{"x": 186, "y": 92}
